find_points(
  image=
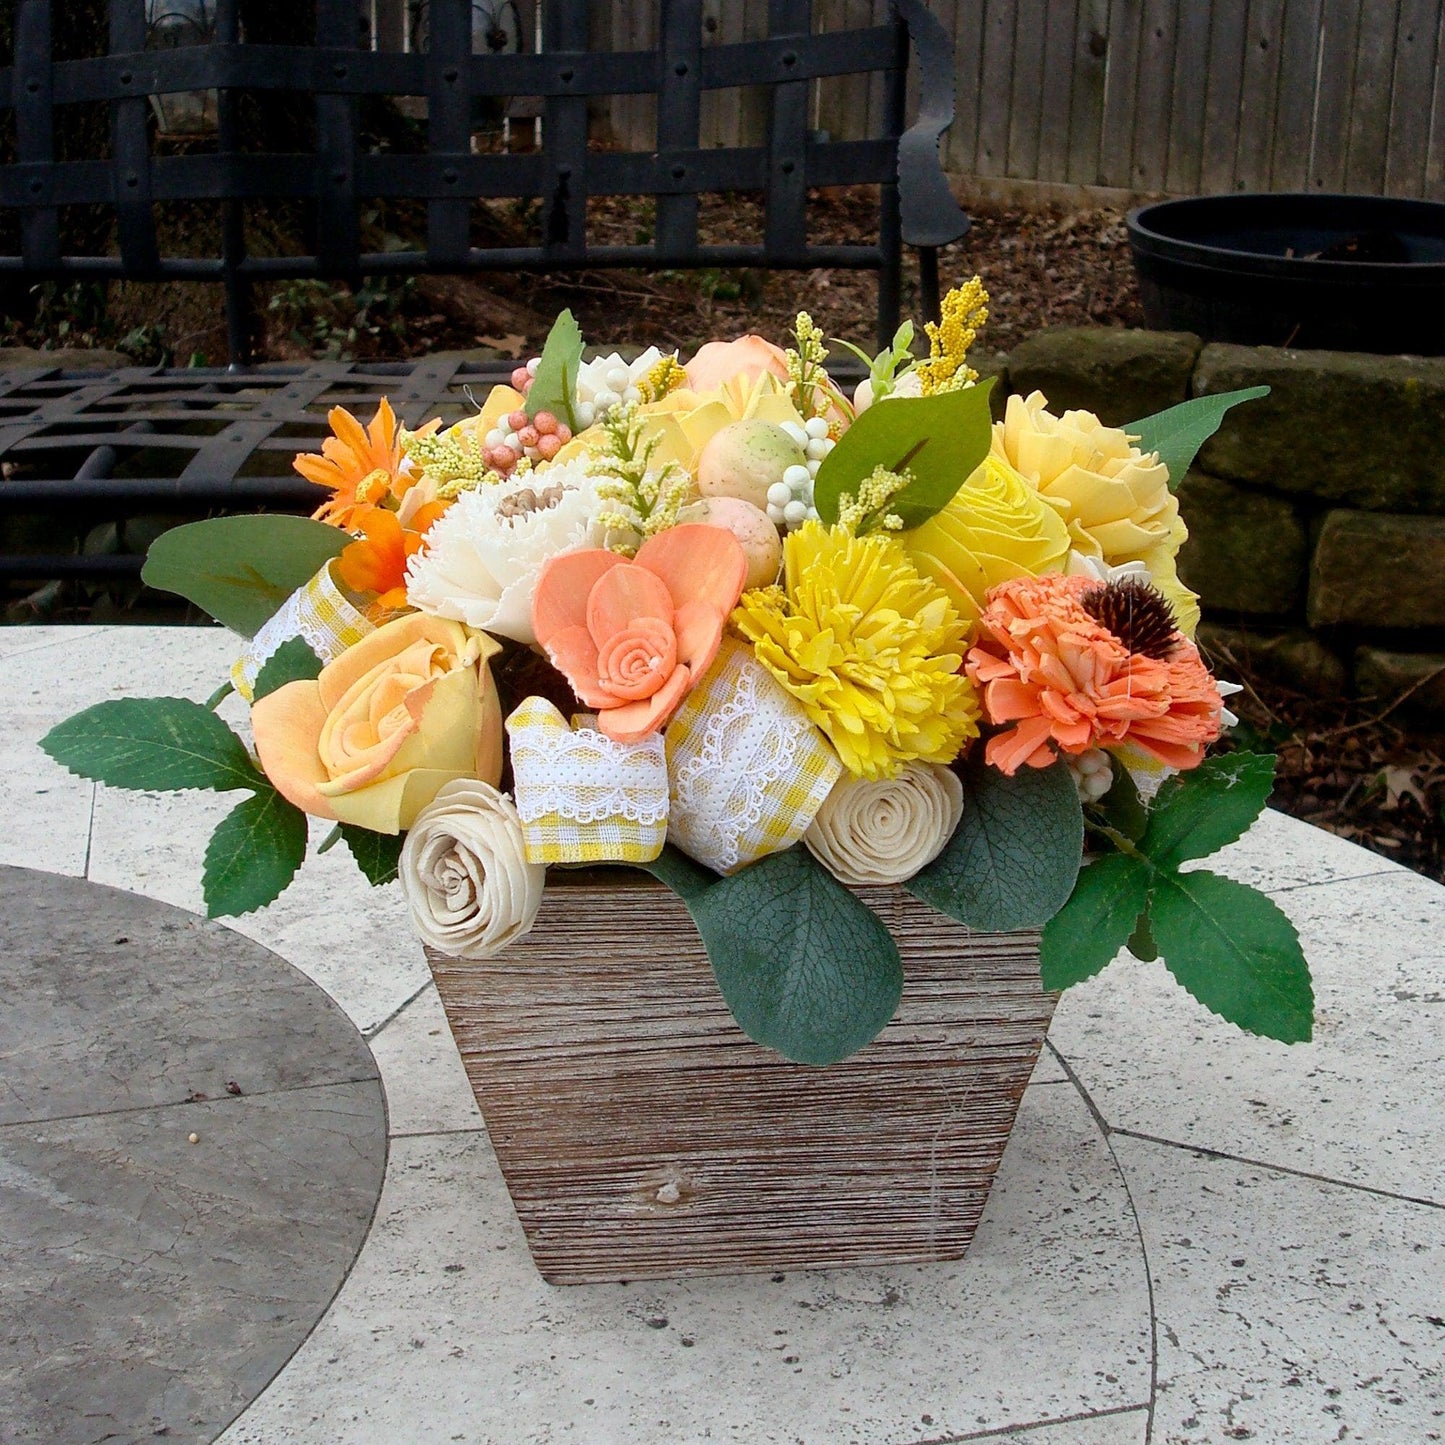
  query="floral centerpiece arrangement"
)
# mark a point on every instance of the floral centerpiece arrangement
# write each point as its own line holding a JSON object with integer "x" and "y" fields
{"x": 774, "y": 643}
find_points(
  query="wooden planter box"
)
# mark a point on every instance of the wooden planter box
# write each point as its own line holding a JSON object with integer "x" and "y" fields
{"x": 642, "y": 1135}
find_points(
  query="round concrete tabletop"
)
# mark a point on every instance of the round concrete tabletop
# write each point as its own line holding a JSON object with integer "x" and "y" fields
{"x": 192, "y": 1144}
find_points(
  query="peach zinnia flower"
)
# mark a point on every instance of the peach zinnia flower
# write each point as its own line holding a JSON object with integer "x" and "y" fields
{"x": 633, "y": 637}
{"x": 1076, "y": 664}
{"x": 360, "y": 464}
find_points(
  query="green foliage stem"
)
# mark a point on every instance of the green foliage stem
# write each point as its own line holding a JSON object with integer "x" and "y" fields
{"x": 1226, "y": 943}
{"x": 554, "y": 388}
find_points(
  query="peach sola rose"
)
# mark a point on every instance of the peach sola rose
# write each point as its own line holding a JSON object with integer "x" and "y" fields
{"x": 1076, "y": 664}
{"x": 719, "y": 362}
{"x": 377, "y": 734}
{"x": 632, "y": 638}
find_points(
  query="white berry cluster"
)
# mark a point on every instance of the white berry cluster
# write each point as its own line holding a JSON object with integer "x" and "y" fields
{"x": 1093, "y": 774}
{"x": 790, "y": 500}
{"x": 605, "y": 384}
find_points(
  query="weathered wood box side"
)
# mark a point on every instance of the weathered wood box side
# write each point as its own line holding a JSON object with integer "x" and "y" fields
{"x": 642, "y": 1135}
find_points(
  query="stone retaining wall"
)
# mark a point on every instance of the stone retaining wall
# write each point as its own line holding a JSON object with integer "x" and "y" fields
{"x": 1316, "y": 515}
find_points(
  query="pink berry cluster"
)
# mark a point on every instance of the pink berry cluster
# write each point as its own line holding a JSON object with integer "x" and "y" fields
{"x": 515, "y": 437}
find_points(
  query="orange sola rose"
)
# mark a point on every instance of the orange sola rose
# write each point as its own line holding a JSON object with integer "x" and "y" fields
{"x": 1076, "y": 664}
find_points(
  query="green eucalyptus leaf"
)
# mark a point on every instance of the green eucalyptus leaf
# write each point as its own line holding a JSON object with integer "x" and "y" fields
{"x": 293, "y": 661}
{"x": 805, "y": 966}
{"x": 1089, "y": 930}
{"x": 554, "y": 388}
{"x": 240, "y": 570}
{"x": 253, "y": 854}
{"x": 1178, "y": 433}
{"x": 1197, "y": 812}
{"x": 685, "y": 876}
{"x": 941, "y": 439}
{"x": 376, "y": 854}
{"x": 1235, "y": 951}
{"x": 1014, "y": 857}
{"x": 154, "y": 744}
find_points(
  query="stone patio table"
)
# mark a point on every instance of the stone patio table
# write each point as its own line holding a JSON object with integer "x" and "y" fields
{"x": 1195, "y": 1236}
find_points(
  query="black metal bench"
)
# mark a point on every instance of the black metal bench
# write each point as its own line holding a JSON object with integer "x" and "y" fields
{"x": 111, "y": 421}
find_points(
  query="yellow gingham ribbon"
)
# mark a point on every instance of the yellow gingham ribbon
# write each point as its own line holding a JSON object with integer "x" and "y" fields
{"x": 318, "y": 612}
{"x": 747, "y": 771}
{"x": 582, "y": 797}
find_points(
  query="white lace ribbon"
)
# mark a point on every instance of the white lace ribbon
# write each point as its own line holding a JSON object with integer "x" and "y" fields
{"x": 583, "y": 797}
{"x": 747, "y": 770}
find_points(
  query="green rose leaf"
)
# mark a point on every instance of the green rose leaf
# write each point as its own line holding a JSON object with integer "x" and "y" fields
{"x": 1014, "y": 857}
{"x": 1178, "y": 433}
{"x": 253, "y": 854}
{"x": 1141, "y": 942}
{"x": 156, "y": 744}
{"x": 293, "y": 661}
{"x": 1197, "y": 812}
{"x": 1234, "y": 950}
{"x": 1086, "y": 933}
{"x": 805, "y": 966}
{"x": 941, "y": 439}
{"x": 240, "y": 570}
{"x": 554, "y": 388}
{"x": 376, "y": 854}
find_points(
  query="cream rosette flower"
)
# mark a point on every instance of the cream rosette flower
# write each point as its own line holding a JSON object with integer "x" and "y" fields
{"x": 483, "y": 558}
{"x": 1115, "y": 498}
{"x": 465, "y": 874}
{"x": 886, "y": 830}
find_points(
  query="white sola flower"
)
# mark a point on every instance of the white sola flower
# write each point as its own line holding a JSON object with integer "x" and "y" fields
{"x": 482, "y": 559}
{"x": 465, "y": 874}
{"x": 609, "y": 381}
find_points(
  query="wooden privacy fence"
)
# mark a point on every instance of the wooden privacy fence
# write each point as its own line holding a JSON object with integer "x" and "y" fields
{"x": 1176, "y": 96}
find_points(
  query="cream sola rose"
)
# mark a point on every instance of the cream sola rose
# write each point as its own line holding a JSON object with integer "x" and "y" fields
{"x": 885, "y": 830}
{"x": 482, "y": 559}
{"x": 1115, "y": 498}
{"x": 465, "y": 874}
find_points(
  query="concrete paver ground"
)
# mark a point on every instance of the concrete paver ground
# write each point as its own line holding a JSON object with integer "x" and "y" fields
{"x": 1195, "y": 1237}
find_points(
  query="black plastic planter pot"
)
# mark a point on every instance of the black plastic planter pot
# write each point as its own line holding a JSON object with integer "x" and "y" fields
{"x": 1343, "y": 273}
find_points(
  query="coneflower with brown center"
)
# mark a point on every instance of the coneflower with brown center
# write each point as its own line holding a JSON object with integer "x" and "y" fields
{"x": 1065, "y": 664}
{"x": 1136, "y": 614}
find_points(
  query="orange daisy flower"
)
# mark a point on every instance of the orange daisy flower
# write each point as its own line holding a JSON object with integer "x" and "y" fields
{"x": 359, "y": 464}
{"x": 376, "y": 561}
{"x": 1076, "y": 664}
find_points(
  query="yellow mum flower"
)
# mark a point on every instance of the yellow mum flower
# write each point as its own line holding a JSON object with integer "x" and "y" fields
{"x": 871, "y": 649}
{"x": 996, "y": 527}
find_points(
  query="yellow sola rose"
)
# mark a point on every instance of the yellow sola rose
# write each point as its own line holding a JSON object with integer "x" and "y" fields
{"x": 684, "y": 421}
{"x": 1114, "y": 498}
{"x": 376, "y": 735}
{"x": 995, "y": 528}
